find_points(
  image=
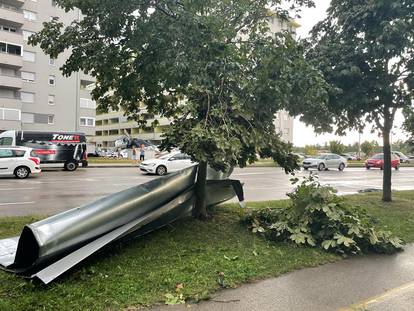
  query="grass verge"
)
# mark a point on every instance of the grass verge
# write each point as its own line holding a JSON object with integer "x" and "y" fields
{"x": 141, "y": 271}
{"x": 109, "y": 161}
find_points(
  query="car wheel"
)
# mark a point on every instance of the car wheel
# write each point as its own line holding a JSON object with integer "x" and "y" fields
{"x": 367, "y": 167}
{"x": 305, "y": 168}
{"x": 397, "y": 167}
{"x": 321, "y": 167}
{"x": 341, "y": 167}
{"x": 22, "y": 172}
{"x": 161, "y": 170}
{"x": 71, "y": 166}
{"x": 381, "y": 168}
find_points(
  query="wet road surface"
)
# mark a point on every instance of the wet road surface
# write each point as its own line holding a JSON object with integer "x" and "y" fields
{"x": 56, "y": 190}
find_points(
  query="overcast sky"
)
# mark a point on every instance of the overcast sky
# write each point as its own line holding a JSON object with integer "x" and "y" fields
{"x": 303, "y": 135}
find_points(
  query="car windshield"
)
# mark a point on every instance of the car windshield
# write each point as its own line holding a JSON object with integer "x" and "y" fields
{"x": 378, "y": 156}
{"x": 167, "y": 156}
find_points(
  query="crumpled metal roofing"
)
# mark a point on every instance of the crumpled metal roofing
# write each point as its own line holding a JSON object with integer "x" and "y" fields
{"x": 48, "y": 248}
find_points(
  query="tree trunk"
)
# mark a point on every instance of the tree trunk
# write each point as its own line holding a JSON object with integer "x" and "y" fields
{"x": 387, "y": 173}
{"x": 200, "y": 209}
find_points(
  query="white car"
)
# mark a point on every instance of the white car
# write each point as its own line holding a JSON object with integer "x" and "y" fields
{"x": 325, "y": 161}
{"x": 168, "y": 163}
{"x": 18, "y": 161}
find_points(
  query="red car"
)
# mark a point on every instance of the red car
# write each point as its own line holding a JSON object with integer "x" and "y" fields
{"x": 378, "y": 161}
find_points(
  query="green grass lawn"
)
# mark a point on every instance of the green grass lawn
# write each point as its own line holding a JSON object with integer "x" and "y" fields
{"x": 141, "y": 271}
{"x": 109, "y": 161}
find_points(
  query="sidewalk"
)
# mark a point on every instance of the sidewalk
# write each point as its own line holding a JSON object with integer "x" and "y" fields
{"x": 375, "y": 283}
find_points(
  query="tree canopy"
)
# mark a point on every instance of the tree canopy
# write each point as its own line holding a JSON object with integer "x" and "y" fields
{"x": 365, "y": 50}
{"x": 212, "y": 67}
{"x": 335, "y": 146}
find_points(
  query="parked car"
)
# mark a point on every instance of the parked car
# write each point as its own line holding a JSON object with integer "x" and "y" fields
{"x": 168, "y": 163}
{"x": 325, "y": 161}
{"x": 18, "y": 161}
{"x": 53, "y": 148}
{"x": 377, "y": 161}
{"x": 349, "y": 157}
{"x": 300, "y": 156}
{"x": 402, "y": 156}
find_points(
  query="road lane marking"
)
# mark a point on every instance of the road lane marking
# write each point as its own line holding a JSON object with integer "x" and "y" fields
{"x": 17, "y": 203}
{"x": 392, "y": 293}
{"x": 12, "y": 189}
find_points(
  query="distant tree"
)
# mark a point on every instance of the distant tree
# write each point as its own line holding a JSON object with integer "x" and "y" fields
{"x": 367, "y": 147}
{"x": 365, "y": 49}
{"x": 311, "y": 150}
{"x": 402, "y": 146}
{"x": 212, "y": 67}
{"x": 336, "y": 146}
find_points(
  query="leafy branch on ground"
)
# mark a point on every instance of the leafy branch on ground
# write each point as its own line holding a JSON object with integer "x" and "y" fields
{"x": 318, "y": 217}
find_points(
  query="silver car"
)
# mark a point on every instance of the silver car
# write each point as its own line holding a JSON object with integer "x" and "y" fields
{"x": 402, "y": 156}
{"x": 325, "y": 161}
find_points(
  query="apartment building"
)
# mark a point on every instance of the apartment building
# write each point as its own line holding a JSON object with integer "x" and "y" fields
{"x": 33, "y": 93}
{"x": 113, "y": 125}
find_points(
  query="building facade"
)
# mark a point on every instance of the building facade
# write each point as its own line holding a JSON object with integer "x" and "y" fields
{"x": 33, "y": 93}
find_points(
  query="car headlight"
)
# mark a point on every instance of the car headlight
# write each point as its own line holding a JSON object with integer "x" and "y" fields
{"x": 151, "y": 164}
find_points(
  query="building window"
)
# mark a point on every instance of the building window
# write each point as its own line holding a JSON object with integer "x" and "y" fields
{"x": 86, "y": 85}
{"x": 50, "y": 119}
{"x": 52, "y": 80}
{"x": 27, "y": 34}
{"x": 29, "y": 15}
{"x": 27, "y": 97}
{"x": 51, "y": 100}
{"x": 10, "y": 48}
{"x": 28, "y": 76}
{"x": 84, "y": 121}
{"x": 29, "y": 56}
{"x": 87, "y": 103}
{"x": 27, "y": 117}
{"x": 7, "y": 28}
{"x": 51, "y": 61}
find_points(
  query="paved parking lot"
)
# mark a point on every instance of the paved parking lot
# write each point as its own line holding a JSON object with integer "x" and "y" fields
{"x": 55, "y": 190}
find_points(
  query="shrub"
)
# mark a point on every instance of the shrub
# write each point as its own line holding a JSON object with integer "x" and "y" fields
{"x": 318, "y": 217}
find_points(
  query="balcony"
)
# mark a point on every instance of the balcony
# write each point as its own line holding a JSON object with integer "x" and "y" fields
{"x": 16, "y": 3}
{"x": 12, "y": 14}
{"x": 12, "y": 37}
{"x": 11, "y": 82}
{"x": 11, "y": 60}
{"x": 10, "y": 102}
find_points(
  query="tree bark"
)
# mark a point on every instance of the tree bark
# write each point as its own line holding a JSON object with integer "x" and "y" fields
{"x": 200, "y": 209}
{"x": 387, "y": 173}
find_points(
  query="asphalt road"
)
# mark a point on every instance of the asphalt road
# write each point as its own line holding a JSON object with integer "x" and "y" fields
{"x": 55, "y": 190}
